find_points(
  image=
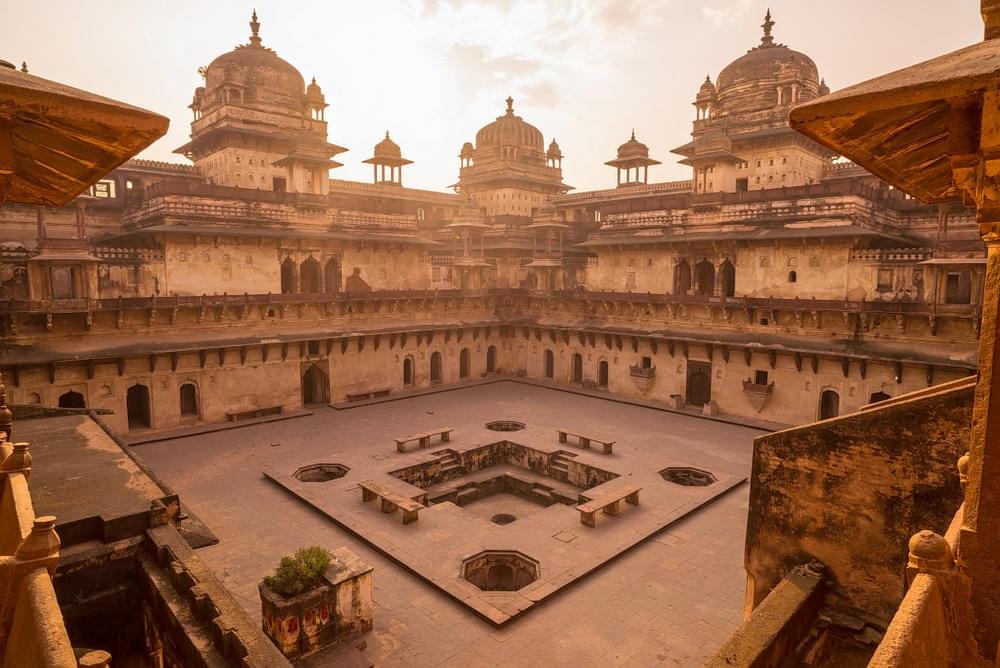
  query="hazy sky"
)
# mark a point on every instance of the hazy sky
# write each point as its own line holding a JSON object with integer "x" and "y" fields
{"x": 434, "y": 71}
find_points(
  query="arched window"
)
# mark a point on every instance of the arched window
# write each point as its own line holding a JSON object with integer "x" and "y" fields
{"x": 288, "y": 276}
{"x": 408, "y": 371}
{"x": 602, "y": 373}
{"x": 309, "y": 276}
{"x": 727, "y": 279}
{"x": 792, "y": 276}
{"x": 577, "y": 368}
{"x": 682, "y": 278}
{"x": 332, "y": 275}
{"x": 463, "y": 363}
{"x": 491, "y": 359}
{"x": 72, "y": 399}
{"x": 704, "y": 274}
{"x": 189, "y": 400}
{"x": 137, "y": 407}
{"x": 550, "y": 364}
{"x": 435, "y": 368}
{"x": 829, "y": 404}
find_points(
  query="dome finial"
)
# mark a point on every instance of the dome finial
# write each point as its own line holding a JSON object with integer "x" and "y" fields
{"x": 24, "y": 66}
{"x": 255, "y": 28}
{"x": 510, "y": 105}
{"x": 633, "y": 134}
{"x": 386, "y": 134}
{"x": 767, "y": 39}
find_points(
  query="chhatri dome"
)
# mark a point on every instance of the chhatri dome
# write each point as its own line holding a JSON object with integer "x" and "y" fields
{"x": 510, "y": 130}
{"x": 257, "y": 77}
{"x": 768, "y": 75}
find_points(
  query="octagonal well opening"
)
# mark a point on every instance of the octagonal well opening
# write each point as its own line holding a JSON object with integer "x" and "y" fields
{"x": 505, "y": 425}
{"x": 321, "y": 472}
{"x": 500, "y": 570}
{"x": 688, "y": 476}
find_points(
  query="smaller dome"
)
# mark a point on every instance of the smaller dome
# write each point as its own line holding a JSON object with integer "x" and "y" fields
{"x": 554, "y": 151}
{"x": 313, "y": 88}
{"x": 633, "y": 148}
{"x": 467, "y": 150}
{"x": 387, "y": 148}
{"x": 823, "y": 88}
{"x": 707, "y": 88}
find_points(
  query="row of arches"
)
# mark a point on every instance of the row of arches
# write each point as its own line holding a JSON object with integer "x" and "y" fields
{"x": 138, "y": 404}
{"x": 436, "y": 366}
{"x": 705, "y": 279}
{"x": 310, "y": 276}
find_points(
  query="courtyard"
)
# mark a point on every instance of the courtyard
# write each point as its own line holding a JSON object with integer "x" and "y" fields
{"x": 659, "y": 582}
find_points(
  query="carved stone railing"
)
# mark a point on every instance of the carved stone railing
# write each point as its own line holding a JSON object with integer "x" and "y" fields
{"x": 884, "y": 255}
{"x": 639, "y": 371}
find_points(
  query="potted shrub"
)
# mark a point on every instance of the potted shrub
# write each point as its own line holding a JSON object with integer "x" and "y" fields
{"x": 315, "y": 598}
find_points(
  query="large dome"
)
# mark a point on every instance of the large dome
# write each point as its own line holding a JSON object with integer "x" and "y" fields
{"x": 510, "y": 130}
{"x": 259, "y": 73}
{"x": 751, "y": 82}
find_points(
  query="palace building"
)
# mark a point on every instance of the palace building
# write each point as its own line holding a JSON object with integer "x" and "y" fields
{"x": 244, "y": 288}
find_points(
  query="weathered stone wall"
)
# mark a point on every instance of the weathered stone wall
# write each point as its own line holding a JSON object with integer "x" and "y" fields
{"x": 849, "y": 492}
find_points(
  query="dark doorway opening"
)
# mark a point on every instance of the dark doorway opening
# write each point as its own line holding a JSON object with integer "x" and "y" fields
{"x": 550, "y": 364}
{"x": 699, "y": 383}
{"x": 727, "y": 279}
{"x": 878, "y": 396}
{"x": 682, "y": 278}
{"x": 602, "y": 373}
{"x": 463, "y": 363}
{"x": 829, "y": 405}
{"x": 491, "y": 359}
{"x": 435, "y": 368}
{"x": 189, "y": 400}
{"x": 288, "y": 276}
{"x": 72, "y": 400}
{"x": 309, "y": 276}
{"x": 408, "y": 371}
{"x": 577, "y": 368}
{"x": 315, "y": 386}
{"x": 332, "y": 275}
{"x": 704, "y": 274}
{"x": 137, "y": 407}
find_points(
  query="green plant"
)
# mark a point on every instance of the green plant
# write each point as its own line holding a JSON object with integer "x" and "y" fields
{"x": 300, "y": 573}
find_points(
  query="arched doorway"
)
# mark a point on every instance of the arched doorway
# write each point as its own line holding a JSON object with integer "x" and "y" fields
{"x": 602, "y": 374}
{"x": 463, "y": 363}
{"x": 332, "y": 275}
{"x": 577, "y": 368}
{"x": 189, "y": 400}
{"x": 72, "y": 399}
{"x": 829, "y": 405}
{"x": 727, "y": 279}
{"x": 682, "y": 278}
{"x": 878, "y": 396}
{"x": 288, "y": 276}
{"x": 500, "y": 577}
{"x": 315, "y": 386}
{"x": 491, "y": 359}
{"x": 435, "y": 368}
{"x": 408, "y": 371}
{"x": 699, "y": 383}
{"x": 550, "y": 364}
{"x": 137, "y": 407}
{"x": 704, "y": 278}
{"x": 309, "y": 276}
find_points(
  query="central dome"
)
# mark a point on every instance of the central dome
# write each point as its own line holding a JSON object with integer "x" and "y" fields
{"x": 510, "y": 130}
{"x": 258, "y": 72}
{"x": 750, "y": 83}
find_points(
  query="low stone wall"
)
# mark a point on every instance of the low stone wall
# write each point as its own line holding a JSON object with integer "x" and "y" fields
{"x": 850, "y": 491}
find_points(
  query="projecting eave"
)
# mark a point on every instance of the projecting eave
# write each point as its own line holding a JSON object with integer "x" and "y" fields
{"x": 900, "y": 126}
{"x": 717, "y": 156}
{"x": 760, "y": 234}
{"x": 57, "y": 141}
{"x": 234, "y": 231}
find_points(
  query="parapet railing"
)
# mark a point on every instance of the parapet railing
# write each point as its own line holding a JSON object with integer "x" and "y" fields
{"x": 746, "y": 303}
{"x": 32, "y": 632}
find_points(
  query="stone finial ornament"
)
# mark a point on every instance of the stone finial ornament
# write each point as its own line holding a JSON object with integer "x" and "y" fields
{"x": 255, "y": 29}
{"x": 929, "y": 553}
{"x": 42, "y": 543}
{"x": 766, "y": 39}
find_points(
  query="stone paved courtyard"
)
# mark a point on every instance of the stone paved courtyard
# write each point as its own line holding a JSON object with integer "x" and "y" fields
{"x": 670, "y": 600}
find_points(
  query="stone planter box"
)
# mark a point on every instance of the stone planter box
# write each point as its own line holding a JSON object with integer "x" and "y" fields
{"x": 338, "y": 609}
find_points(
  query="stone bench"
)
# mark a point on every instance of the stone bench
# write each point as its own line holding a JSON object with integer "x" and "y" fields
{"x": 424, "y": 439}
{"x": 608, "y": 501}
{"x": 368, "y": 394}
{"x": 253, "y": 413}
{"x": 585, "y": 441}
{"x": 391, "y": 500}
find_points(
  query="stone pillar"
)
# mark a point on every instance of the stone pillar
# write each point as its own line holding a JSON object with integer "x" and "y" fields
{"x": 978, "y": 178}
